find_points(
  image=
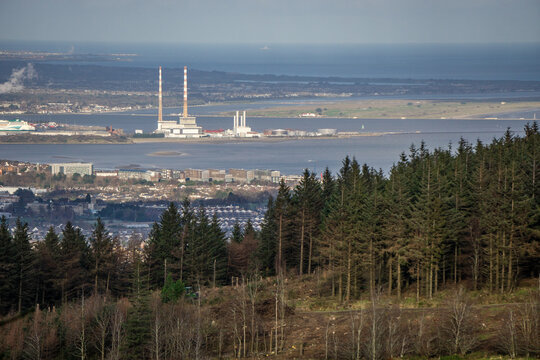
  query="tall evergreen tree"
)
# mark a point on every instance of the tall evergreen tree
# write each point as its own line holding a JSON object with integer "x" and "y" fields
{"x": 249, "y": 230}
{"x": 307, "y": 199}
{"x": 281, "y": 214}
{"x": 7, "y": 268}
{"x": 138, "y": 323}
{"x": 199, "y": 261}
{"x": 24, "y": 261}
{"x": 218, "y": 252}
{"x": 188, "y": 223}
{"x": 102, "y": 256}
{"x": 237, "y": 235}
{"x": 75, "y": 261}
{"x": 165, "y": 247}
{"x": 266, "y": 252}
{"x": 47, "y": 269}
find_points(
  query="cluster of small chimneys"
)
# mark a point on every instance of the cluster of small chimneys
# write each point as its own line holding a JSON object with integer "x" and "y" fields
{"x": 239, "y": 121}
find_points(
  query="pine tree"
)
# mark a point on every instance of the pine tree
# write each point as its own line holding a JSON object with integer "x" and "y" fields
{"x": 328, "y": 190}
{"x": 218, "y": 252}
{"x": 266, "y": 252}
{"x": 102, "y": 255}
{"x": 206, "y": 255}
{"x": 24, "y": 258}
{"x": 249, "y": 229}
{"x": 395, "y": 228}
{"x": 243, "y": 260}
{"x": 281, "y": 212}
{"x": 137, "y": 326}
{"x": 197, "y": 257}
{"x": 75, "y": 262}
{"x": 166, "y": 247}
{"x": 7, "y": 268}
{"x": 341, "y": 229}
{"x": 307, "y": 199}
{"x": 188, "y": 226}
{"x": 237, "y": 235}
{"x": 47, "y": 268}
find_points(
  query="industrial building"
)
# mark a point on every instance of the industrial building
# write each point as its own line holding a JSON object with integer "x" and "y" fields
{"x": 72, "y": 168}
{"x": 185, "y": 126}
{"x": 239, "y": 126}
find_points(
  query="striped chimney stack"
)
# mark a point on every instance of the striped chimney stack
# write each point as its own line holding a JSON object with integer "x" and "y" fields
{"x": 160, "y": 97}
{"x": 185, "y": 92}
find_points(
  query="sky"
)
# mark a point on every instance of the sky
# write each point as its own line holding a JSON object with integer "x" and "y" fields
{"x": 272, "y": 21}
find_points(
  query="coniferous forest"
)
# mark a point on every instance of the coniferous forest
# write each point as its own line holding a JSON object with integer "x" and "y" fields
{"x": 441, "y": 256}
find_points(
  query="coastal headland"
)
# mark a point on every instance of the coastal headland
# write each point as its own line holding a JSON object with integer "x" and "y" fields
{"x": 397, "y": 109}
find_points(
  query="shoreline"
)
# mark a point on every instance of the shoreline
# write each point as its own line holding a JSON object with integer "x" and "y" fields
{"x": 278, "y": 116}
{"x": 271, "y": 139}
{"x": 207, "y": 140}
{"x": 216, "y": 140}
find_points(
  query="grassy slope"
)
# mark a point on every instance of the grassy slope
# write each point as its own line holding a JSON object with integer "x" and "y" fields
{"x": 312, "y": 312}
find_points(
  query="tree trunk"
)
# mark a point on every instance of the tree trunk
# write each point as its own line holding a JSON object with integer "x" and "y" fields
{"x": 503, "y": 261}
{"x": 455, "y": 262}
{"x": 490, "y": 263}
{"x": 390, "y": 276}
{"x": 497, "y": 267}
{"x": 182, "y": 255}
{"x": 96, "y": 269}
{"x": 349, "y": 260}
{"x": 302, "y": 243}
{"x": 431, "y": 277}
{"x": 444, "y": 271}
{"x": 279, "y": 255}
{"x": 436, "y": 277}
{"x": 417, "y": 283}
{"x": 398, "y": 278}
{"x": 310, "y": 252}
{"x": 19, "y": 306}
{"x": 165, "y": 272}
{"x": 276, "y": 321}
{"x": 371, "y": 266}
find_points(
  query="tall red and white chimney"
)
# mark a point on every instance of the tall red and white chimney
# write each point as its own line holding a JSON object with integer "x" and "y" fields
{"x": 160, "y": 97}
{"x": 185, "y": 92}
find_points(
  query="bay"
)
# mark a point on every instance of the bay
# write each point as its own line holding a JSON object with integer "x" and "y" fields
{"x": 500, "y": 61}
{"x": 288, "y": 156}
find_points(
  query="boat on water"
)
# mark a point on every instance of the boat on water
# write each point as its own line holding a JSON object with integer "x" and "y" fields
{"x": 16, "y": 125}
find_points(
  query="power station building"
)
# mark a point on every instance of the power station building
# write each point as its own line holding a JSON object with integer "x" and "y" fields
{"x": 240, "y": 128}
{"x": 185, "y": 126}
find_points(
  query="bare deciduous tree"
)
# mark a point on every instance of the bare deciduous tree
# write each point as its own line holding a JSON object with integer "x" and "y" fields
{"x": 117, "y": 328}
{"x": 459, "y": 325}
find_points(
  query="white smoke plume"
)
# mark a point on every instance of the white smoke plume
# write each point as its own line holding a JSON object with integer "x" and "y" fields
{"x": 17, "y": 78}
